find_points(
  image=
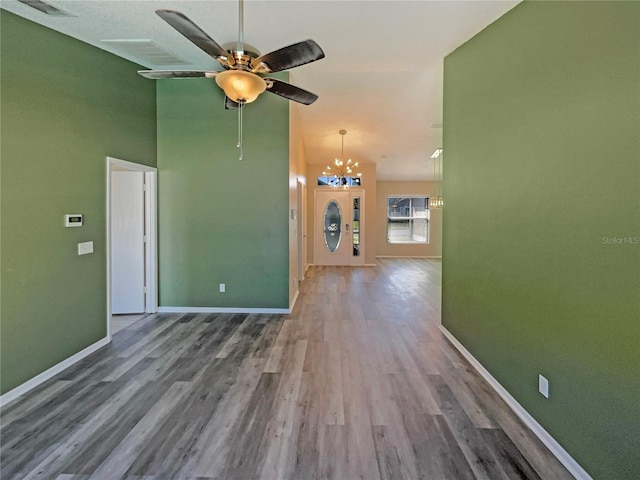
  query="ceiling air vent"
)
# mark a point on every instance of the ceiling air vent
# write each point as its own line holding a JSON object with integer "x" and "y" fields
{"x": 46, "y": 8}
{"x": 146, "y": 51}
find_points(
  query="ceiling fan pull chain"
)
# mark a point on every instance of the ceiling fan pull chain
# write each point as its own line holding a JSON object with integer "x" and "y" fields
{"x": 240, "y": 108}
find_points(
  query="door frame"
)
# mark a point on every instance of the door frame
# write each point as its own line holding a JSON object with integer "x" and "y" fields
{"x": 301, "y": 229}
{"x": 150, "y": 232}
{"x": 317, "y": 244}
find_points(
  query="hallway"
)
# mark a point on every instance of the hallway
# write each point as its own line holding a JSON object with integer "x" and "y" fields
{"x": 357, "y": 383}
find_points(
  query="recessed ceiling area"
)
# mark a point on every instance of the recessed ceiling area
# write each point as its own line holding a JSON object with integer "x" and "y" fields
{"x": 381, "y": 79}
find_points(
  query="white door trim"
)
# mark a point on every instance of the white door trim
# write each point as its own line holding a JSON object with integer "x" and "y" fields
{"x": 300, "y": 228}
{"x": 150, "y": 231}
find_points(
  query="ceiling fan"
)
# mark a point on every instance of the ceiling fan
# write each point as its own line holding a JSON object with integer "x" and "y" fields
{"x": 241, "y": 80}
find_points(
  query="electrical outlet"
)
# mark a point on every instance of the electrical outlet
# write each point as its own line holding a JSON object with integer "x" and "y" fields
{"x": 222, "y": 288}
{"x": 543, "y": 386}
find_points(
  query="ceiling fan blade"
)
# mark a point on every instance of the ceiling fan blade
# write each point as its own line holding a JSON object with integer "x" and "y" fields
{"x": 192, "y": 32}
{"x": 288, "y": 57}
{"x": 159, "y": 74}
{"x": 289, "y": 91}
{"x": 230, "y": 104}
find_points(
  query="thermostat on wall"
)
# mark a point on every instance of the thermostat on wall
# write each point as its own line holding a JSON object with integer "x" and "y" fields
{"x": 73, "y": 220}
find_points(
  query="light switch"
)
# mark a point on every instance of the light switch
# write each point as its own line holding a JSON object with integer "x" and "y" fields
{"x": 85, "y": 248}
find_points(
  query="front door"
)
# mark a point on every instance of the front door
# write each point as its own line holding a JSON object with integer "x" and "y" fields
{"x": 333, "y": 232}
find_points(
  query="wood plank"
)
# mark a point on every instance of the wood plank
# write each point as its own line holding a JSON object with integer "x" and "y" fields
{"x": 307, "y": 421}
{"x": 482, "y": 460}
{"x": 210, "y": 452}
{"x": 59, "y": 455}
{"x": 281, "y": 435}
{"x": 47, "y": 428}
{"x": 513, "y": 462}
{"x": 333, "y": 411}
{"x": 44, "y": 398}
{"x": 332, "y": 452}
{"x": 249, "y": 443}
{"x": 123, "y": 456}
{"x": 361, "y": 453}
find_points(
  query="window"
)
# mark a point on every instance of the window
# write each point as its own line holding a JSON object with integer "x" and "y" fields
{"x": 408, "y": 219}
{"x": 339, "y": 181}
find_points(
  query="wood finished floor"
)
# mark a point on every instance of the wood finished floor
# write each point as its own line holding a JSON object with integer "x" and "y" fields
{"x": 120, "y": 322}
{"x": 357, "y": 383}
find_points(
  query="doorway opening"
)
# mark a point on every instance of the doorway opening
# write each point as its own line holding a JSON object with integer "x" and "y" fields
{"x": 132, "y": 286}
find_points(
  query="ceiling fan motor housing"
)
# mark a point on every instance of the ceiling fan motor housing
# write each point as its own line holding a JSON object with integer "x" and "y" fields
{"x": 242, "y": 53}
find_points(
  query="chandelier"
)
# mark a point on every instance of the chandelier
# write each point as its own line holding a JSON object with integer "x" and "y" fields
{"x": 342, "y": 172}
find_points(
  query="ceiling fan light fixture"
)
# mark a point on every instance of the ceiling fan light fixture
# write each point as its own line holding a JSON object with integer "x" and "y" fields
{"x": 241, "y": 86}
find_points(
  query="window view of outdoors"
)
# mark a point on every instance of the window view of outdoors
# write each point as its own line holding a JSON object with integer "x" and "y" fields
{"x": 408, "y": 219}
{"x": 339, "y": 181}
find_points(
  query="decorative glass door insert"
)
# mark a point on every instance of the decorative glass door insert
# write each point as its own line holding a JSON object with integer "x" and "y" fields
{"x": 356, "y": 226}
{"x": 332, "y": 226}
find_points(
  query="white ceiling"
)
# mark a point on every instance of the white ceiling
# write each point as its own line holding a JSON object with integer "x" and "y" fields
{"x": 381, "y": 79}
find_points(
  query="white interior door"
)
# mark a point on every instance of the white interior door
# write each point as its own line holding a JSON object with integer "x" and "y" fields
{"x": 332, "y": 230}
{"x": 127, "y": 242}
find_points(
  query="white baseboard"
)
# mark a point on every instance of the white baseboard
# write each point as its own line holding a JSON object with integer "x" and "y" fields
{"x": 222, "y": 310}
{"x": 363, "y": 265}
{"x": 293, "y": 302}
{"x": 11, "y": 395}
{"x": 545, "y": 437}
{"x": 408, "y": 256}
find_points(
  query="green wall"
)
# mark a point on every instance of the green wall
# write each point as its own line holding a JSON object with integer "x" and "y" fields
{"x": 542, "y": 174}
{"x": 222, "y": 220}
{"x": 65, "y": 107}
